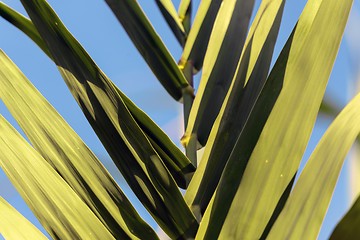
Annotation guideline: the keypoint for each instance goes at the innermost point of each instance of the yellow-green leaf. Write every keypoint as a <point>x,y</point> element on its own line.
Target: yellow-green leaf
<point>177,163</point>
<point>348,227</point>
<point>306,207</point>
<point>197,42</point>
<point>169,12</point>
<point>54,139</point>
<point>185,14</point>
<point>13,225</point>
<point>221,59</point>
<point>252,69</point>
<point>59,209</point>
<point>104,108</point>
<point>305,66</point>
<point>149,44</point>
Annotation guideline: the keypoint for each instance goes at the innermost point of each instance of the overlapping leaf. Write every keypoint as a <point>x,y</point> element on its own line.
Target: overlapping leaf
<point>252,69</point>
<point>104,108</point>
<point>13,225</point>
<point>179,166</point>
<point>225,46</point>
<point>59,209</point>
<point>169,12</point>
<point>348,227</point>
<point>66,152</point>
<point>184,12</point>
<point>306,207</point>
<point>149,44</point>
<point>304,67</point>
<point>197,42</point>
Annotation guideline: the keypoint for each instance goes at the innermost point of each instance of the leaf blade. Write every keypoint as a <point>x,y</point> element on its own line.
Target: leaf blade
<point>282,126</point>
<point>35,179</point>
<point>13,225</point>
<point>178,164</point>
<point>169,12</point>
<point>126,143</point>
<point>313,191</point>
<point>151,47</point>
<point>54,139</point>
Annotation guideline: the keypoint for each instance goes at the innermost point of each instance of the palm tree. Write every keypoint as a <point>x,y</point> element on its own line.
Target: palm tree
<point>253,120</point>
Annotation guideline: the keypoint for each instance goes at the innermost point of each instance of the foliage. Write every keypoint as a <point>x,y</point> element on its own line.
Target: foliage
<point>253,120</point>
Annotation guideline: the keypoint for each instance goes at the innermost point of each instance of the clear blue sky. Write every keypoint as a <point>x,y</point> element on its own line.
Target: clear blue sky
<point>93,24</point>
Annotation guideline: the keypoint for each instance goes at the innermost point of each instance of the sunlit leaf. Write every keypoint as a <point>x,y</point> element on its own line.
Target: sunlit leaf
<point>59,209</point>
<point>197,42</point>
<point>306,207</point>
<point>185,14</point>
<point>13,225</point>
<point>304,67</point>
<point>66,152</point>
<point>104,108</point>
<point>169,12</point>
<point>252,69</point>
<point>149,44</point>
<point>177,163</point>
<point>225,46</point>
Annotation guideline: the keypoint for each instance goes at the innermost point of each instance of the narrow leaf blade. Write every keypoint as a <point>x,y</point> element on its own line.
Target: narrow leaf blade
<point>306,207</point>
<point>59,209</point>
<point>225,46</point>
<point>197,41</point>
<point>150,46</point>
<point>104,108</point>
<point>178,164</point>
<point>252,69</point>
<point>67,153</point>
<point>308,58</point>
<point>13,225</point>
<point>169,12</point>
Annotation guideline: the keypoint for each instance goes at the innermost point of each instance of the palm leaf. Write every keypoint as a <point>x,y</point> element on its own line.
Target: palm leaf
<point>198,38</point>
<point>304,67</point>
<point>53,138</point>
<point>313,191</point>
<point>13,225</point>
<point>252,69</point>
<point>104,108</point>
<point>225,45</point>
<point>169,12</point>
<point>59,209</point>
<point>177,163</point>
<point>150,46</point>
<point>348,227</point>
<point>185,14</point>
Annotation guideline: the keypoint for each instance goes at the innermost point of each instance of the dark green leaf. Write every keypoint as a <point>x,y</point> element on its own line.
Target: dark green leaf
<point>149,44</point>
<point>104,108</point>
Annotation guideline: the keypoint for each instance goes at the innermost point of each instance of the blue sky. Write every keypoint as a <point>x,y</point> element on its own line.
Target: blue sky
<point>93,24</point>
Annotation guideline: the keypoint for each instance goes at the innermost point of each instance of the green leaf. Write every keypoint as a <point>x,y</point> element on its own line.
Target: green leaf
<point>177,163</point>
<point>225,46</point>
<point>185,14</point>
<point>348,227</point>
<point>169,12</point>
<point>198,38</point>
<point>54,139</point>
<point>253,70</point>
<point>59,209</point>
<point>104,108</point>
<point>306,207</point>
<point>23,24</point>
<point>149,44</point>
<point>304,67</point>
<point>13,225</point>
